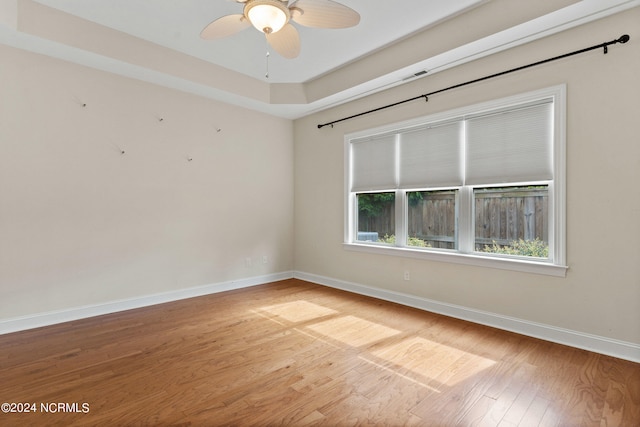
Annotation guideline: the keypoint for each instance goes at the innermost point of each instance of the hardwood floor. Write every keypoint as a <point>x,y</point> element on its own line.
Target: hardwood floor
<point>295,353</point>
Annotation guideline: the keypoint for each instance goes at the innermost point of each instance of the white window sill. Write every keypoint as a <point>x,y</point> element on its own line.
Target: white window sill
<point>526,266</point>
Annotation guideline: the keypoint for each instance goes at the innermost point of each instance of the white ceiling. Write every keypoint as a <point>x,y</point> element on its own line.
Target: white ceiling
<point>128,36</point>
<point>176,24</point>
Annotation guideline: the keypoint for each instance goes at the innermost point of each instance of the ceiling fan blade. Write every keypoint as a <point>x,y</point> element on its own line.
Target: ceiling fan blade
<point>323,14</point>
<point>286,41</point>
<point>225,26</point>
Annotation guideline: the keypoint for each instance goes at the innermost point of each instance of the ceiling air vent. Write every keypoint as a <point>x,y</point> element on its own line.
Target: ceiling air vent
<point>414,75</point>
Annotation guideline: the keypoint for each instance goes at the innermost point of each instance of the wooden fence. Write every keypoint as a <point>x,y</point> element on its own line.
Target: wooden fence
<point>505,217</point>
<point>433,219</point>
<point>500,216</point>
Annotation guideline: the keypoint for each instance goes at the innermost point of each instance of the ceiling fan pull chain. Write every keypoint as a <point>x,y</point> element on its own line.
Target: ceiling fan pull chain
<point>267,57</point>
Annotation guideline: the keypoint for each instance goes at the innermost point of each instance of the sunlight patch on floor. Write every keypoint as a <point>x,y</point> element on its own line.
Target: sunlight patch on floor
<point>353,330</point>
<point>298,311</point>
<point>405,377</point>
<point>433,360</point>
<point>427,363</point>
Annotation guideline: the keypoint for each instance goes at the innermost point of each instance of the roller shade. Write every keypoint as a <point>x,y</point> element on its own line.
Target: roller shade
<point>510,146</point>
<point>431,156</point>
<point>374,164</point>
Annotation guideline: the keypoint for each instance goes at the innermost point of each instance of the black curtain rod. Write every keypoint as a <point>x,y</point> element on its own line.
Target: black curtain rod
<point>623,39</point>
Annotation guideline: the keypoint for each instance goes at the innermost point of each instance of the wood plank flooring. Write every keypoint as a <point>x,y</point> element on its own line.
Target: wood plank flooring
<point>295,353</point>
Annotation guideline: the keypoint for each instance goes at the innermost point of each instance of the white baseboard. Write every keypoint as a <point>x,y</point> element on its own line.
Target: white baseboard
<point>53,317</point>
<point>597,344</point>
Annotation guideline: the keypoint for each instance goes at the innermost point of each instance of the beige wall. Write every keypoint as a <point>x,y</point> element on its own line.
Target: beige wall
<point>601,292</point>
<point>82,224</point>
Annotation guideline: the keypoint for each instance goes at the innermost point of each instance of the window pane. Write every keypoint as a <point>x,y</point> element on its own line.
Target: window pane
<point>432,219</point>
<point>512,221</point>
<point>376,217</point>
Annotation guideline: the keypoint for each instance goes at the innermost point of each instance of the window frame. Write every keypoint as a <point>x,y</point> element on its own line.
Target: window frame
<point>465,254</point>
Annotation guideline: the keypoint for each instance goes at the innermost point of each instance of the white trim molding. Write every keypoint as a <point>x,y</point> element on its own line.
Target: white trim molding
<point>521,265</point>
<point>60,316</point>
<point>598,344</point>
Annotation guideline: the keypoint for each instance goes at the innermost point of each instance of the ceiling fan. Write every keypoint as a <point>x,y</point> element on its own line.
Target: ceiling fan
<point>273,18</point>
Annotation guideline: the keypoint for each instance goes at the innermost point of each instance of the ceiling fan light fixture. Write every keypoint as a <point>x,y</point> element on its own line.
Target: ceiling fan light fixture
<point>268,16</point>
<point>274,19</point>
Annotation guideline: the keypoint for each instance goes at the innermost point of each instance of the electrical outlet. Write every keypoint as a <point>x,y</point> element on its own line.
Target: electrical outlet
<point>265,259</point>
<point>247,262</point>
<point>407,276</point>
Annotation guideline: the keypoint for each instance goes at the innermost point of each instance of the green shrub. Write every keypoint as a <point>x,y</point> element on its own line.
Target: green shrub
<point>532,248</point>
<point>390,239</point>
<point>413,241</point>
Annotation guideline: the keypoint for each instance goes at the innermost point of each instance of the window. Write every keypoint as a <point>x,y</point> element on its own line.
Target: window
<point>376,221</point>
<point>481,185</point>
<point>432,218</point>
<point>512,220</point>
